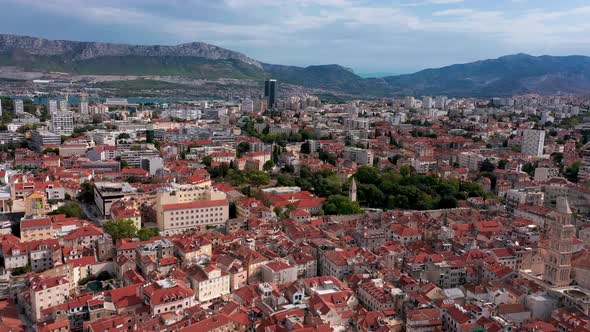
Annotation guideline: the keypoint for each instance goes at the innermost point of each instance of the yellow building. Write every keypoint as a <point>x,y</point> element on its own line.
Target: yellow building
<point>35,204</point>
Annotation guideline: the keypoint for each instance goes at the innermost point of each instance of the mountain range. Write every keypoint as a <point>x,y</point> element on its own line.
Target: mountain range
<point>504,76</point>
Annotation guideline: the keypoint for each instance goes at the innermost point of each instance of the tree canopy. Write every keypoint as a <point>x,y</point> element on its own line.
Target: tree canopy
<point>70,210</point>
<point>341,205</point>
<point>145,234</point>
<point>120,229</point>
<point>405,189</point>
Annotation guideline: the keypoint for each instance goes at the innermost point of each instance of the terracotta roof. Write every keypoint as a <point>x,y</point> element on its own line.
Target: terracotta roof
<point>195,204</point>
<point>35,223</point>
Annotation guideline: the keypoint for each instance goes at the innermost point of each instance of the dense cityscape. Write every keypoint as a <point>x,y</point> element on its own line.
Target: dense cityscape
<point>295,166</point>
<point>291,213</point>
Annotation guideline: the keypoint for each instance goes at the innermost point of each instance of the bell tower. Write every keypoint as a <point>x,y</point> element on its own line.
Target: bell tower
<point>559,252</point>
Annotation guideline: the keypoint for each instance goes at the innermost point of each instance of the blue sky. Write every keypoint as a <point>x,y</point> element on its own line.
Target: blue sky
<point>366,35</point>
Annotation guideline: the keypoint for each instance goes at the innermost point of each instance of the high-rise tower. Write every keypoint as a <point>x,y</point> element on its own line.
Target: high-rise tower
<point>270,92</point>
<point>533,142</point>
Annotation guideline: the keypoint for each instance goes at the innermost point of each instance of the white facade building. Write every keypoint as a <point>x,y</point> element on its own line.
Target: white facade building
<point>62,123</point>
<point>533,142</point>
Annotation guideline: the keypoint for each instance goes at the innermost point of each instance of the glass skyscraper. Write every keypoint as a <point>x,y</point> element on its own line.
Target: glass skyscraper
<point>270,92</point>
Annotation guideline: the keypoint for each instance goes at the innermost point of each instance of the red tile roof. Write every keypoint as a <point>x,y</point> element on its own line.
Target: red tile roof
<point>195,204</point>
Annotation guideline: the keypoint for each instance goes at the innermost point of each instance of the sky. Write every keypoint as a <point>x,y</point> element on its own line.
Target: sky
<point>366,35</point>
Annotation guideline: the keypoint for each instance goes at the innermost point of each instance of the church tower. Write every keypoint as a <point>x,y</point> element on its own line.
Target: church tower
<point>559,253</point>
<point>352,191</point>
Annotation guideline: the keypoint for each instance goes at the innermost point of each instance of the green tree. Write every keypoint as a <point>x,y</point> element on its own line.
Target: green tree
<point>447,202</point>
<point>257,178</point>
<point>86,194</point>
<point>269,165</point>
<point>206,160</point>
<point>487,166</point>
<point>70,210</point>
<point>54,151</point>
<point>557,158</point>
<point>528,168</point>
<point>328,157</point>
<point>145,234</point>
<point>340,205</point>
<point>120,229</point>
<point>305,148</point>
<point>571,173</point>
<point>367,174</point>
<point>242,148</point>
<point>371,195</point>
<point>502,164</point>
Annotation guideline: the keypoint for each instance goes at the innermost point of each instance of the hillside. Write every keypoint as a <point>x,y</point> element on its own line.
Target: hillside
<point>508,75</point>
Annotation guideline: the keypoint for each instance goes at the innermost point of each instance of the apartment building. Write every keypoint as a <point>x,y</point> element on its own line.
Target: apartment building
<point>533,142</point>
<point>279,272</point>
<point>377,295</point>
<point>134,154</point>
<point>209,282</point>
<point>46,293</point>
<point>358,155</point>
<point>62,123</point>
<point>36,229</point>
<point>167,296</point>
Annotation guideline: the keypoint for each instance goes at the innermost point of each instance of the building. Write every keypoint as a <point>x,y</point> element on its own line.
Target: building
<point>36,229</point>
<point>558,262</point>
<point>152,164</point>
<point>543,174</point>
<point>167,296</point>
<point>423,320</point>
<point>127,209</point>
<point>183,207</point>
<point>63,105</point>
<point>247,105</point>
<point>35,204</point>
<point>357,123</point>
<point>446,274</point>
<point>105,193</point>
<point>46,293</point>
<point>270,92</point>
<point>409,102</point>
<point>358,155</point>
<point>279,273</point>
<point>62,123</point>
<point>134,154</point>
<point>533,142</point>
<point>41,138</point>
<point>377,295</point>
<point>209,282</point>
<point>427,102</point>
<point>52,106</point>
<point>84,109</point>
<point>19,107</point>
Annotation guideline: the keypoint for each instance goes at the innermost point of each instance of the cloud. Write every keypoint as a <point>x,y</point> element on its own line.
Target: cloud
<point>453,12</point>
<point>377,32</point>
<point>444,2</point>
